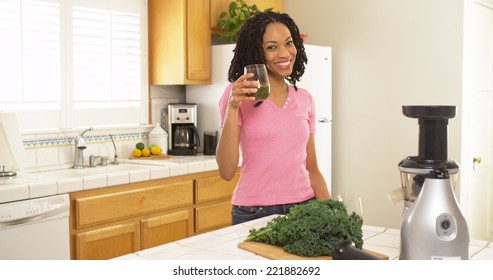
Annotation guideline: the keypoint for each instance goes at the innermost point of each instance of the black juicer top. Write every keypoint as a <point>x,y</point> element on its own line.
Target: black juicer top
<point>433,121</point>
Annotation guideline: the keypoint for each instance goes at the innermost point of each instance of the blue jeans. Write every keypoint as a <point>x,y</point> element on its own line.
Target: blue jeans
<point>241,214</point>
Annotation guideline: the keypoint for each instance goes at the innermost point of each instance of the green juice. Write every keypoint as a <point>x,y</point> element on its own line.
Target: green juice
<point>262,92</point>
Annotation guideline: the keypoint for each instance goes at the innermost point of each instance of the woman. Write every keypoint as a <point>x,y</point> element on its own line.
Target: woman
<point>275,137</point>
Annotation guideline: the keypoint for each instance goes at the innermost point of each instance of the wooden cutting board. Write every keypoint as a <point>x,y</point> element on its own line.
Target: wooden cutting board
<point>153,157</point>
<point>277,253</point>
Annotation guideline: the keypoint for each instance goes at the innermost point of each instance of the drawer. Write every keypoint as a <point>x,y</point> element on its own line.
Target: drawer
<point>212,188</point>
<point>110,207</point>
<point>212,216</point>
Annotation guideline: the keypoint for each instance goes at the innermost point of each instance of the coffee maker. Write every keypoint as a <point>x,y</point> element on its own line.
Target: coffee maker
<point>433,226</point>
<point>182,127</point>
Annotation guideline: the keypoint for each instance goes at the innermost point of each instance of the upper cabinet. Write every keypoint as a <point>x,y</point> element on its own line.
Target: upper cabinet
<point>179,42</point>
<point>219,6</point>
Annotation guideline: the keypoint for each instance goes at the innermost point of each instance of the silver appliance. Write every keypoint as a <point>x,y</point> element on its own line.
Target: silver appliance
<point>433,226</point>
<point>183,136</point>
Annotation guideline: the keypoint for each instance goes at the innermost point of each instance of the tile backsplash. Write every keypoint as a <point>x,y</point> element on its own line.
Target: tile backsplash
<point>54,150</point>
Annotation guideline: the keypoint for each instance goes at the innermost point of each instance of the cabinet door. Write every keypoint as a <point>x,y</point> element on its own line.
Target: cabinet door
<point>179,42</point>
<point>198,61</point>
<point>212,216</point>
<point>166,228</point>
<point>213,188</point>
<point>103,208</point>
<point>109,242</point>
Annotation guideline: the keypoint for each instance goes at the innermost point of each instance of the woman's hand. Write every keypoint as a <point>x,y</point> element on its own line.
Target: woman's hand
<point>242,87</point>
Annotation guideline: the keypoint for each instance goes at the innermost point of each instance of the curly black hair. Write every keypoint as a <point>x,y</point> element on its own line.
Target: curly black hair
<point>249,49</point>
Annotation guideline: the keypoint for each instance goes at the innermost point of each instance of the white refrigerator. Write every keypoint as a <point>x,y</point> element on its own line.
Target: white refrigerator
<point>317,80</point>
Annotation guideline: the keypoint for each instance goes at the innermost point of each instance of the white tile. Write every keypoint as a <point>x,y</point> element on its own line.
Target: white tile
<point>118,178</point>
<point>373,229</point>
<point>231,247</point>
<point>160,172</point>
<point>482,243</point>
<point>129,257</point>
<point>385,239</point>
<point>14,192</point>
<point>237,231</point>
<point>31,158</point>
<point>95,181</point>
<point>68,185</point>
<point>196,167</point>
<point>165,254</point>
<point>202,241</point>
<point>393,231</point>
<point>44,188</point>
<point>47,156</point>
<point>485,254</point>
<point>473,250</point>
<point>211,165</point>
<point>176,170</point>
<point>209,255</point>
<point>66,154</point>
<point>139,175</point>
<point>256,257</point>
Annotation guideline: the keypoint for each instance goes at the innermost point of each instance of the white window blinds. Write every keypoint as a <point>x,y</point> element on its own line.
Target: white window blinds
<point>30,51</point>
<point>73,62</point>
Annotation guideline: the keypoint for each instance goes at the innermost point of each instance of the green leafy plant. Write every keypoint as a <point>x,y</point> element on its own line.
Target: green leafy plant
<point>312,229</point>
<point>232,20</point>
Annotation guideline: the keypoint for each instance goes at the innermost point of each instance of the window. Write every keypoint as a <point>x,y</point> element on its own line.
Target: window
<point>74,63</point>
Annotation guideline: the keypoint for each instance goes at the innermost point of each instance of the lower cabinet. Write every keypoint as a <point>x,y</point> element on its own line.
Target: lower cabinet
<point>166,228</point>
<point>114,221</point>
<point>109,242</point>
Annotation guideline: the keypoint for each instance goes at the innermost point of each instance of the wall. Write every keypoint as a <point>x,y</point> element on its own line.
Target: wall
<point>386,54</point>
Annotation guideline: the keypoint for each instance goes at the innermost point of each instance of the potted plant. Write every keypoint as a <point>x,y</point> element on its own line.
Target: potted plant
<point>232,20</point>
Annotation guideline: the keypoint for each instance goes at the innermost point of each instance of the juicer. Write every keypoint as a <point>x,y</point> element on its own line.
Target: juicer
<point>433,226</point>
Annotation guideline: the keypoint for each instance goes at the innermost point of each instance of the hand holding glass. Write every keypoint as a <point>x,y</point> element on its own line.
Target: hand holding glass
<point>262,77</point>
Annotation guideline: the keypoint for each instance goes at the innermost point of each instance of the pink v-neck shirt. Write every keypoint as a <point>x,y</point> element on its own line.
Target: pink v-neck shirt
<point>273,144</point>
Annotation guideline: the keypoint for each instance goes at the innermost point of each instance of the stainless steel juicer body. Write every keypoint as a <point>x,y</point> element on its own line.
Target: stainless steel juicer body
<point>433,226</point>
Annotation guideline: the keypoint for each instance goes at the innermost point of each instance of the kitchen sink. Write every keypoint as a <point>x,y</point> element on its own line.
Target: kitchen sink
<point>90,171</point>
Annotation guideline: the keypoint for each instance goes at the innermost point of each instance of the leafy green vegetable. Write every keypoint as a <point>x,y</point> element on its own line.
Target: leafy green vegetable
<point>312,229</point>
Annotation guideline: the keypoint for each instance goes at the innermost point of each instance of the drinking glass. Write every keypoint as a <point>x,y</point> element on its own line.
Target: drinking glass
<point>352,202</point>
<point>260,75</point>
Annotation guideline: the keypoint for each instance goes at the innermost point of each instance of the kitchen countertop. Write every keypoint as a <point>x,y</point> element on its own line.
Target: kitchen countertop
<point>222,245</point>
<point>66,180</point>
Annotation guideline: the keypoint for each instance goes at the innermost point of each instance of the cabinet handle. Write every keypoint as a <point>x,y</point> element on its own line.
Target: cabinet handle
<point>476,160</point>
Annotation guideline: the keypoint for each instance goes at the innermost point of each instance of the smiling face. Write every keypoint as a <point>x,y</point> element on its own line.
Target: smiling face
<point>279,50</point>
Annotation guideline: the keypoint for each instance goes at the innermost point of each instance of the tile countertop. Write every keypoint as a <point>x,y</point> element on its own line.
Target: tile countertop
<point>40,184</point>
<point>222,245</point>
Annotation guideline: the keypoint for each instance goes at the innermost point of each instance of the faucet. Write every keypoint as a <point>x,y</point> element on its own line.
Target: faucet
<point>115,160</point>
<point>80,146</point>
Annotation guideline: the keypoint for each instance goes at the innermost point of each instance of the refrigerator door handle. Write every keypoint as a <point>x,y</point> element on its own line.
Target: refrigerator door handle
<point>323,120</point>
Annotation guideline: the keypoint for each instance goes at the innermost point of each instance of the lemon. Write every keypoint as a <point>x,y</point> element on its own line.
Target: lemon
<point>136,152</point>
<point>155,150</point>
<point>140,146</point>
<point>146,152</point>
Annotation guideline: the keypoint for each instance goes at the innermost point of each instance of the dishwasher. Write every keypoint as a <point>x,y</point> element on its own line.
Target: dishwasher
<point>35,229</point>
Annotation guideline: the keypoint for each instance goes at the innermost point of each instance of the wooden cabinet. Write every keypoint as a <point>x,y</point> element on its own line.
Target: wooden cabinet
<point>166,228</point>
<point>179,42</point>
<point>113,221</point>
<point>109,242</point>
<point>219,6</point>
<point>213,202</point>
